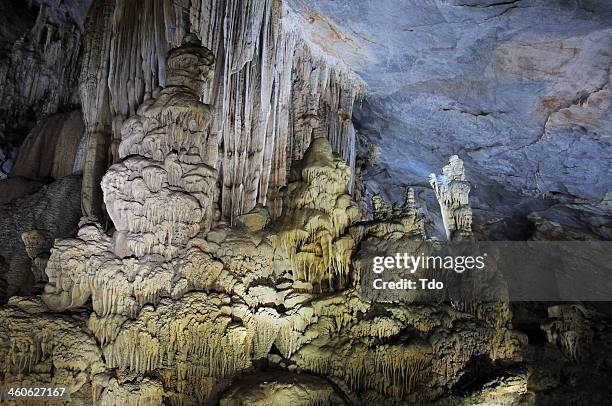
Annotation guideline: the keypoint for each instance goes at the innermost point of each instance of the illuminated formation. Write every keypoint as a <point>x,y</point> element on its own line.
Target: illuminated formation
<point>452,191</point>
<point>174,308</point>
<point>161,194</point>
<point>315,216</point>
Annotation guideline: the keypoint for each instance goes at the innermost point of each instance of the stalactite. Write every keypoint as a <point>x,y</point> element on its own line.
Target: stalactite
<point>38,69</point>
<point>94,104</point>
<point>391,370</point>
<point>46,348</point>
<point>265,118</point>
<point>257,52</point>
<point>191,336</point>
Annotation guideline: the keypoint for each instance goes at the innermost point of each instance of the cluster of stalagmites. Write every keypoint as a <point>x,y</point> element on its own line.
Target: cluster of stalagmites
<point>168,309</point>
<point>181,328</point>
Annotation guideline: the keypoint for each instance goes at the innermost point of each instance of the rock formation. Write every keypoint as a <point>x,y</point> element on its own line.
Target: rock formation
<point>54,211</point>
<point>40,348</point>
<point>316,213</point>
<point>569,328</point>
<point>161,194</point>
<point>271,92</point>
<point>382,210</point>
<point>40,46</point>
<point>221,256</point>
<point>37,248</point>
<point>282,389</point>
<point>51,149</point>
<point>452,191</point>
<point>512,106</point>
<point>181,319</point>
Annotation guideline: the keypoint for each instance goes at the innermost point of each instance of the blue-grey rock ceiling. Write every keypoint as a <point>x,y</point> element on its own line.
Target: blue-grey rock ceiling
<point>518,89</point>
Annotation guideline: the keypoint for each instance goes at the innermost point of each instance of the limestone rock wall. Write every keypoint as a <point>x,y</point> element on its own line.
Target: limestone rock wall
<point>518,89</point>
<point>40,43</point>
<point>54,210</point>
<point>50,150</point>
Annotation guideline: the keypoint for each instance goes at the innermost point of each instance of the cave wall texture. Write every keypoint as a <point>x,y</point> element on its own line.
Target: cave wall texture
<point>509,86</point>
<point>39,44</point>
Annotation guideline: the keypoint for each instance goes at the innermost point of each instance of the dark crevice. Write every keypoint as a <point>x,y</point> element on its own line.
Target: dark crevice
<point>502,3</point>
<point>478,113</point>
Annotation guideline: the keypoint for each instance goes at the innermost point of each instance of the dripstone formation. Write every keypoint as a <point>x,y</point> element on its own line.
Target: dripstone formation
<point>233,268</point>
<point>168,309</point>
<point>452,191</point>
<point>161,194</point>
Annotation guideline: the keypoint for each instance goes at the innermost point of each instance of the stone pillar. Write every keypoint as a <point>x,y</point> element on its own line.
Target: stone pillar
<point>161,194</point>
<point>452,191</point>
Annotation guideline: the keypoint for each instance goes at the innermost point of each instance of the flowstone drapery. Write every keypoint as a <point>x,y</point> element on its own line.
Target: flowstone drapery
<point>186,320</point>
<point>272,91</point>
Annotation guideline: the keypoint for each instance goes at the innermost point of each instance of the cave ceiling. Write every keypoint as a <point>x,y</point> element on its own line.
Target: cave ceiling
<point>520,90</point>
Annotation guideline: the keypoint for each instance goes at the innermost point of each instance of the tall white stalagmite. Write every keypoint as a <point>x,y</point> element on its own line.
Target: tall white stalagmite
<point>452,191</point>
<point>162,194</point>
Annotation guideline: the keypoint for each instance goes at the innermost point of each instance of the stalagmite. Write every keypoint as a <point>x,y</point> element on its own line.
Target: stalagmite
<point>272,92</point>
<point>380,208</point>
<point>570,329</point>
<point>262,280</point>
<point>452,191</point>
<point>316,213</point>
<point>158,198</point>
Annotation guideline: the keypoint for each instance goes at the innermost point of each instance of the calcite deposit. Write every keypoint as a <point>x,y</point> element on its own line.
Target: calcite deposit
<point>180,319</point>
<point>272,92</point>
<point>452,191</point>
<point>192,194</point>
<point>161,194</point>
